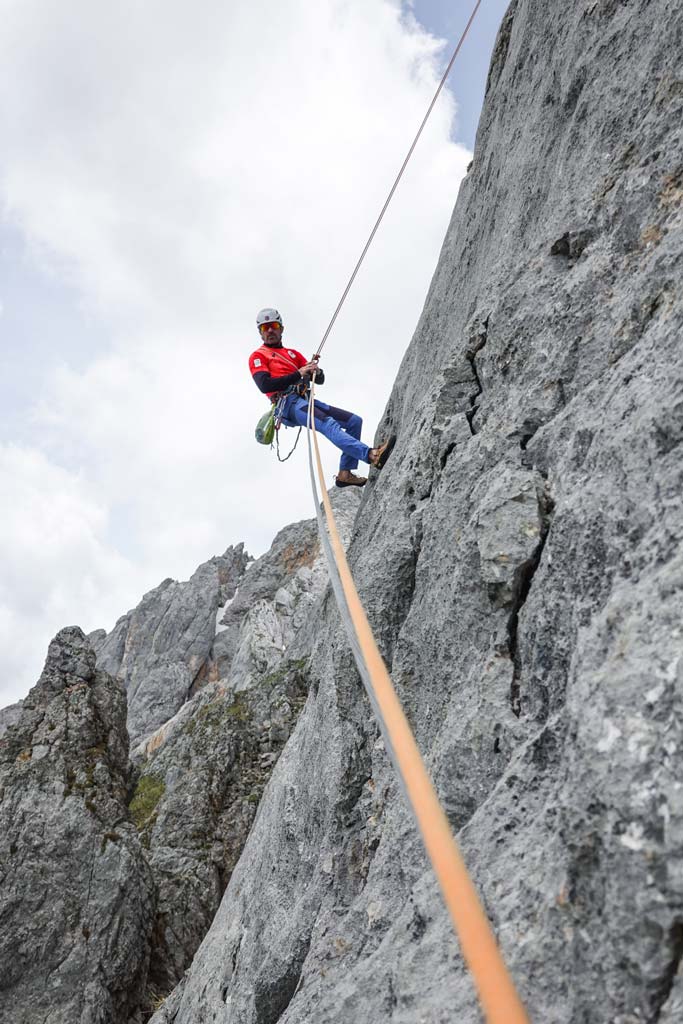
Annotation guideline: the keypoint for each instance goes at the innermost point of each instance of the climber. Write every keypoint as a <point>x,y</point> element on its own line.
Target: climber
<point>283,373</point>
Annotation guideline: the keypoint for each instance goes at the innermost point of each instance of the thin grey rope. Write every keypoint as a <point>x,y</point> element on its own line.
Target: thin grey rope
<point>399,176</point>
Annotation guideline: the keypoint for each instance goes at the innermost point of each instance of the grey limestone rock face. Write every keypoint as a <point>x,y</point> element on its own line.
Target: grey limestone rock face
<point>209,777</point>
<point>202,773</point>
<point>158,650</point>
<point>268,593</point>
<point>520,560</point>
<point>9,716</point>
<point>77,897</point>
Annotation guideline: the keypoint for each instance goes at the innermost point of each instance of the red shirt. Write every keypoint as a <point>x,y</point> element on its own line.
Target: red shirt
<point>276,362</point>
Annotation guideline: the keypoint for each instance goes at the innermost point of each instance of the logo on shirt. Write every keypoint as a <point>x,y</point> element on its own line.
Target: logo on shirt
<point>291,354</point>
<point>257,362</point>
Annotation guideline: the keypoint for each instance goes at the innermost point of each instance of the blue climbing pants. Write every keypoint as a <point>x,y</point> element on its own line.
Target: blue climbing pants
<point>340,427</point>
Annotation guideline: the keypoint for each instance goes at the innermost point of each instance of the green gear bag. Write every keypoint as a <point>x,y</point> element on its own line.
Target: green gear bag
<point>265,428</point>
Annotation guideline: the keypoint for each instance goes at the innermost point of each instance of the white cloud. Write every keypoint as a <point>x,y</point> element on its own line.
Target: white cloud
<point>186,164</point>
<point>58,566</point>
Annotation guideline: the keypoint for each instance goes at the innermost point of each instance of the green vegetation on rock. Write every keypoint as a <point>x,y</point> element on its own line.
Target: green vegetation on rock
<point>148,793</point>
<point>293,666</point>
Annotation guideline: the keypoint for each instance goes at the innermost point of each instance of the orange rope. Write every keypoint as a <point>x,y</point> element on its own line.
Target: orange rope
<point>497,993</point>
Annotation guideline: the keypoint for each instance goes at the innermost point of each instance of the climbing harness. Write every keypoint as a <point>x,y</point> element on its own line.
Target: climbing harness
<point>279,406</point>
<point>268,427</point>
<point>497,994</point>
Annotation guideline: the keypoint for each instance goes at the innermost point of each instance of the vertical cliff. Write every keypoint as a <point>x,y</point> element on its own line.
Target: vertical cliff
<point>77,900</point>
<point>520,560</point>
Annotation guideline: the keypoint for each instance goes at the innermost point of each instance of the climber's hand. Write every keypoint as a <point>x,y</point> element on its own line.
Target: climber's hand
<point>308,369</point>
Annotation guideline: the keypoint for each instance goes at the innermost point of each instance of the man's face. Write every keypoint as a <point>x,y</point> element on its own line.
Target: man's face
<point>271,333</point>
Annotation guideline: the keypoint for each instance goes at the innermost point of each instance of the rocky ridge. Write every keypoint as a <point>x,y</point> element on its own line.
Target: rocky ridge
<point>158,650</point>
<point>521,565</point>
<point>201,775</point>
<point>238,636</point>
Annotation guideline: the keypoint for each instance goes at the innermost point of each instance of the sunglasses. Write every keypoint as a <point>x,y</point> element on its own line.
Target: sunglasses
<point>266,327</point>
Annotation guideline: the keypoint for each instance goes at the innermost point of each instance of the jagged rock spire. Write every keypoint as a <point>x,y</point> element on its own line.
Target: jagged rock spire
<point>77,900</point>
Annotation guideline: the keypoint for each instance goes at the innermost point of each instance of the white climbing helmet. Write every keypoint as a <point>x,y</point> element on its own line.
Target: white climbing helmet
<point>268,316</point>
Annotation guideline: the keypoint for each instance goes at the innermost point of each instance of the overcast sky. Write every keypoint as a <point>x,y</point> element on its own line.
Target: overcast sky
<point>166,169</point>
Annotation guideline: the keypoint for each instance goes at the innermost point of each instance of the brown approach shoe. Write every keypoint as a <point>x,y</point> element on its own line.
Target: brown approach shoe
<point>345,478</point>
<point>378,456</point>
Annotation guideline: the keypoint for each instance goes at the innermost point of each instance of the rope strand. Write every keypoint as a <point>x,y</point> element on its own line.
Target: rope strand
<point>498,996</point>
<point>398,177</point>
